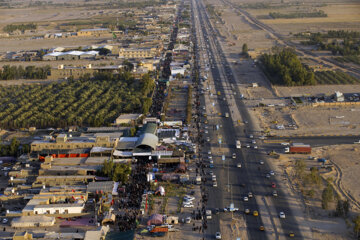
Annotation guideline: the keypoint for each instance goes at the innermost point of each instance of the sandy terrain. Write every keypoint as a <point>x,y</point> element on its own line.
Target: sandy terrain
<point>7,44</point>
<point>314,90</point>
<point>340,16</point>
<point>346,158</point>
<point>311,120</point>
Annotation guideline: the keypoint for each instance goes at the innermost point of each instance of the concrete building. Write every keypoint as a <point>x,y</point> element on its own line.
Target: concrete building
<point>134,53</point>
<point>32,221</point>
<point>62,142</point>
<point>94,32</point>
<point>66,208</point>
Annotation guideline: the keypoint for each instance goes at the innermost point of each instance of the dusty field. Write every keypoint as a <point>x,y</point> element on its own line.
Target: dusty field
<point>314,90</point>
<point>49,14</point>
<point>340,16</point>
<point>346,158</point>
<point>310,120</point>
<point>238,34</point>
<point>7,44</point>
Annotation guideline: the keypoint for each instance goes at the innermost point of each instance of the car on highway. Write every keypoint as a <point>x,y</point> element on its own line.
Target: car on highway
<point>238,165</point>
<point>262,137</point>
<point>273,185</point>
<point>261,162</point>
<point>247,211</point>
<point>358,141</point>
<point>209,152</point>
<point>255,146</point>
<point>210,156</point>
<point>234,155</point>
<point>211,161</point>
<point>250,195</point>
<point>211,173</point>
<point>282,215</point>
<point>255,213</point>
<point>218,235</point>
<point>253,142</point>
<point>246,199</point>
<point>208,139</point>
<point>291,234</point>
<point>272,173</point>
<point>285,144</point>
<point>5,220</point>
<point>247,145</point>
<point>211,165</point>
<point>274,193</point>
<point>267,175</point>
<point>262,228</point>
<point>215,184</point>
<point>251,136</point>
<point>188,220</point>
<point>206,131</point>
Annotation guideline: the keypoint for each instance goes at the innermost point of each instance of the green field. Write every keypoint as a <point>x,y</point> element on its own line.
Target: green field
<point>83,102</point>
<point>337,77</point>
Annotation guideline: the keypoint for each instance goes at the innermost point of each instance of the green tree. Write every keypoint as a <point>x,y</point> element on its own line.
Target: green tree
<point>300,168</point>
<point>245,49</point>
<point>327,196</point>
<point>357,226</point>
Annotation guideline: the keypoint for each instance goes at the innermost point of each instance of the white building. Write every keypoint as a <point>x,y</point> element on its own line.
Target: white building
<point>66,208</point>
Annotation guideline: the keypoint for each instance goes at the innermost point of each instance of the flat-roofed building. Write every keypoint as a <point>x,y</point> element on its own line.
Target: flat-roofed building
<point>96,32</point>
<point>133,53</point>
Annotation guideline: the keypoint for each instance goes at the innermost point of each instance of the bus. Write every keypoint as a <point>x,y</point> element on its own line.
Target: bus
<point>238,144</point>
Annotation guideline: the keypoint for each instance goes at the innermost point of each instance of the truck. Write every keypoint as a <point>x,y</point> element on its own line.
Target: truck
<point>238,144</point>
<point>298,148</point>
<point>208,214</point>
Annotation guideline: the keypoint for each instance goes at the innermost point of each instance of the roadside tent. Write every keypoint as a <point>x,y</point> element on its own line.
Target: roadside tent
<point>155,219</point>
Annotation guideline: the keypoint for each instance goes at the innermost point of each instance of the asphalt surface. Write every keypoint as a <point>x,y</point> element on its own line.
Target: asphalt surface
<point>251,177</point>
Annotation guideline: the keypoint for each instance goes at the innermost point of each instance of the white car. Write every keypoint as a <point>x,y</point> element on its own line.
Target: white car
<point>190,198</point>
<point>210,157</point>
<point>238,165</point>
<point>251,136</point>
<point>188,220</point>
<point>218,235</point>
<point>255,146</point>
<point>209,152</point>
<point>188,205</point>
<point>282,215</point>
<point>215,184</point>
<point>272,173</point>
<point>5,220</point>
<point>285,144</point>
<point>250,194</point>
<point>246,199</point>
<point>358,141</point>
<point>261,162</point>
<point>234,155</point>
<point>247,145</point>
<point>253,142</point>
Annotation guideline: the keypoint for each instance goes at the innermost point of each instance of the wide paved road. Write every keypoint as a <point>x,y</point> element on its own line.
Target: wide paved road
<point>252,174</point>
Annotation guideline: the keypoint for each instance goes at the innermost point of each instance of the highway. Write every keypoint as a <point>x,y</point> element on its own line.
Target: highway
<point>249,178</point>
